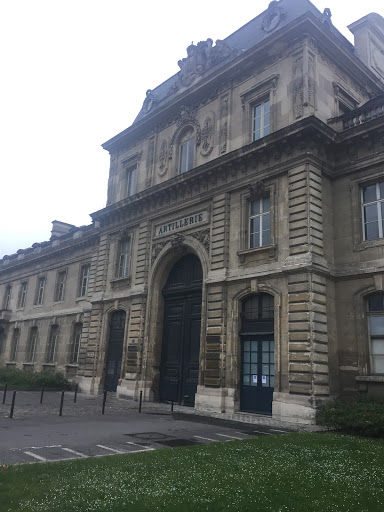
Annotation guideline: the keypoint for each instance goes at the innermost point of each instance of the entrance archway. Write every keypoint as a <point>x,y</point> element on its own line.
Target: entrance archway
<point>115,350</point>
<point>257,354</point>
<point>179,367</point>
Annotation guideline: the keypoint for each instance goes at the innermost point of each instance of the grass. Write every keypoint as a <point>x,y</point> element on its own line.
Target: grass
<point>295,472</point>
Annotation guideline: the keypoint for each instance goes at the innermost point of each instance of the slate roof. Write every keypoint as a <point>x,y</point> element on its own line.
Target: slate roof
<point>245,38</point>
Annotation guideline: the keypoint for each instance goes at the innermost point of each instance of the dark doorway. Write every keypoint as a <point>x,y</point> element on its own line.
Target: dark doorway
<point>257,354</point>
<point>179,369</point>
<point>115,350</point>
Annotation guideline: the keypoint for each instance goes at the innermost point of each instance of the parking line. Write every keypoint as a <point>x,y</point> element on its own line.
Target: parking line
<point>110,449</point>
<point>144,448</point>
<point>38,457</point>
<point>276,430</point>
<point>261,432</point>
<point>75,453</point>
<point>207,439</point>
<point>231,437</point>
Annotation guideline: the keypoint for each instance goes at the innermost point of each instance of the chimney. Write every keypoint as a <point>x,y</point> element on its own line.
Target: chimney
<point>60,228</point>
<point>369,42</point>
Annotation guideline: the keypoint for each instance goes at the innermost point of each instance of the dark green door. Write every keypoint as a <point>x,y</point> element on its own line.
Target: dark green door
<point>181,332</point>
<point>115,350</point>
<point>257,355</point>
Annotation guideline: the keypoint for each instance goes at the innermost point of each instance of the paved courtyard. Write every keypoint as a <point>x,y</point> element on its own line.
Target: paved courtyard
<point>37,433</point>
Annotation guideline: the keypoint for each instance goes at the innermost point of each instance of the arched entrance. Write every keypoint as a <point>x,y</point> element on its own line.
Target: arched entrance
<point>179,368</point>
<point>257,354</point>
<point>115,350</point>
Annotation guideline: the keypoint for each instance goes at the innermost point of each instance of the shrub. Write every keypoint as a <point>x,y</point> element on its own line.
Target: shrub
<point>19,379</point>
<point>363,417</point>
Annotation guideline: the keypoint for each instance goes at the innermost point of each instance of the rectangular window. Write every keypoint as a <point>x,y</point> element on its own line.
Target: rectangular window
<point>372,198</point>
<point>84,280</point>
<point>51,349</point>
<point>7,297</point>
<point>131,180</point>
<point>14,344</point>
<point>40,290</point>
<point>60,286</point>
<point>76,343</point>
<point>186,157</point>
<point>259,222</point>
<point>32,342</point>
<point>124,253</point>
<point>261,120</point>
<point>22,294</point>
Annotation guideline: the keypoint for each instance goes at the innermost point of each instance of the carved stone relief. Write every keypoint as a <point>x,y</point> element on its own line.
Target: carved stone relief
<point>150,162</point>
<point>257,190</point>
<point>156,249</point>
<point>186,117</point>
<point>203,237</point>
<point>163,158</point>
<point>223,134</point>
<point>298,87</point>
<point>207,136</point>
<point>273,17</point>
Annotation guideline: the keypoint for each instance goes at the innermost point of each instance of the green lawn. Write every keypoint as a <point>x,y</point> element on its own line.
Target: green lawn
<point>293,472</point>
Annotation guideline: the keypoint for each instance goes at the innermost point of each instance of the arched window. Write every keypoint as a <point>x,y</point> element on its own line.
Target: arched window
<point>187,151</point>
<point>52,343</point>
<point>77,332</point>
<point>376,331</point>
<point>32,342</point>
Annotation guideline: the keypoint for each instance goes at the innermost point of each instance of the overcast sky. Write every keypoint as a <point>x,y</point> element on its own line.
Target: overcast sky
<point>74,74</point>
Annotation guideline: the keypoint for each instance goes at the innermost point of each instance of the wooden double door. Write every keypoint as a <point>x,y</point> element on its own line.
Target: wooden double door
<point>115,350</point>
<point>179,368</point>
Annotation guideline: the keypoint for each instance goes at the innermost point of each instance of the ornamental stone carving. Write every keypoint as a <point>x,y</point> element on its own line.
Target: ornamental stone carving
<point>203,237</point>
<point>257,190</point>
<point>298,89</point>
<point>185,118</point>
<point>273,17</point>
<point>207,136</point>
<point>177,240</point>
<point>163,158</point>
<point>156,249</point>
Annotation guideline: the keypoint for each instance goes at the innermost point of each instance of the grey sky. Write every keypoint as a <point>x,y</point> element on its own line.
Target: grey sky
<point>74,74</point>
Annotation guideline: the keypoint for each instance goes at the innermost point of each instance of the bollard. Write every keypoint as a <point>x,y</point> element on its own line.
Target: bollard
<point>75,397</point>
<point>5,392</point>
<point>42,394</point>
<point>13,404</point>
<point>140,400</point>
<point>61,404</point>
<point>104,400</point>
<point>172,406</point>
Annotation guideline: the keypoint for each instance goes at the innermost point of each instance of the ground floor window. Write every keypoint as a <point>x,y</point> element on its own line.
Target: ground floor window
<point>376,331</point>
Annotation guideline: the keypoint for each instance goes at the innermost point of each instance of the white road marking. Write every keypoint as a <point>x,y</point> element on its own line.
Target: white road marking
<point>143,448</point>
<point>35,447</point>
<point>110,449</point>
<point>276,430</point>
<point>38,457</point>
<point>231,437</point>
<point>206,439</point>
<point>75,453</point>
<point>261,432</point>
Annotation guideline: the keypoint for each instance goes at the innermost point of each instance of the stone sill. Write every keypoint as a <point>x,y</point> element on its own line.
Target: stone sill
<point>271,249</point>
<point>370,378</point>
<point>72,365</point>
<point>49,364</point>
<point>121,281</point>
<point>28,364</point>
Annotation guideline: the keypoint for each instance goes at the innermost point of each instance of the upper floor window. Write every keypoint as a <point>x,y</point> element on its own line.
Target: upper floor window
<point>131,175</point>
<point>2,338</point>
<point>32,342</point>
<point>14,344</point>
<point>84,280</point>
<point>373,210</point>
<point>186,157</point>
<point>52,342</point>
<point>123,259</point>
<point>259,229</point>
<point>261,120</point>
<point>7,297</point>
<point>376,331</point>
<point>76,342</point>
<point>22,294</point>
<point>60,286</point>
<point>40,290</point>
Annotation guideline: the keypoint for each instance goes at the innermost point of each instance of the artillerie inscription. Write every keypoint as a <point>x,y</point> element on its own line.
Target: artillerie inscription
<point>181,223</point>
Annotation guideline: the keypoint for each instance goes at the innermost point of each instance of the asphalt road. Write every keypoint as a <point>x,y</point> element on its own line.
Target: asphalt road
<point>39,434</point>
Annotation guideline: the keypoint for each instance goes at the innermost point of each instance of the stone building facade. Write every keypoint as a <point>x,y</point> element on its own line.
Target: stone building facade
<point>239,262</point>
